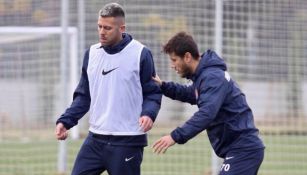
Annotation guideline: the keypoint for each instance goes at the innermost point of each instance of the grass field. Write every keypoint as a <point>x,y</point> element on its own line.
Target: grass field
<point>284,155</point>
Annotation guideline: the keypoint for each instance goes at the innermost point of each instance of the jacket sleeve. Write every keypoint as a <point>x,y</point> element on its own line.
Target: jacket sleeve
<point>179,92</point>
<point>81,99</point>
<point>213,91</point>
<point>151,92</point>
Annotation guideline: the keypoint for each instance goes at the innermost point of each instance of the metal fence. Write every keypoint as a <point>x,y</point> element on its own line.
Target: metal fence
<point>41,48</point>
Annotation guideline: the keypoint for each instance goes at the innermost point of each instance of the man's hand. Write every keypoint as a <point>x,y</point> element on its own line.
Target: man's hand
<point>161,145</point>
<point>145,123</point>
<point>60,132</point>
<point>157,80</point>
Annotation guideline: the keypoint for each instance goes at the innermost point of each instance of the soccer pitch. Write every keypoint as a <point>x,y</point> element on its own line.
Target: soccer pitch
<point>284,155</point>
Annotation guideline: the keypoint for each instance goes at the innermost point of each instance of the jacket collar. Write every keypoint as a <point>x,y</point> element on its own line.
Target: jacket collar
<point>208,59</point>
<point>120,46</point>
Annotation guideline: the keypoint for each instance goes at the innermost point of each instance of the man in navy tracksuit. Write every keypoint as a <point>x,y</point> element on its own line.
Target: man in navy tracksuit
<point>223,110</point>
<point>117,89</point>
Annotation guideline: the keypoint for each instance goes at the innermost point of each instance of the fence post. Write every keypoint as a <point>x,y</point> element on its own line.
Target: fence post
<point>215,161</point>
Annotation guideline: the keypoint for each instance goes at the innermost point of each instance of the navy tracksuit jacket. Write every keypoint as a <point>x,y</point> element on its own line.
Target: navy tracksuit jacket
<point>223,110</point>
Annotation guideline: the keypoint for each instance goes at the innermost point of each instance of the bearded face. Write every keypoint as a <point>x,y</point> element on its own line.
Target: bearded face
<point>180,66</point>
<point>185,71</point>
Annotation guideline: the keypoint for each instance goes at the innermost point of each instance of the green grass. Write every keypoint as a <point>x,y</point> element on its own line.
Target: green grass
<point>284,155</point>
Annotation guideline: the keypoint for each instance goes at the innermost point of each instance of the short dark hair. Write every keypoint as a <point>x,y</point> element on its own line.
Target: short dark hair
<point>180,44</point>
<point>112,10</point>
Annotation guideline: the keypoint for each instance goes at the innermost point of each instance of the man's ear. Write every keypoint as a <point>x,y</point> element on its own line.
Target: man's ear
<point>187,57</point>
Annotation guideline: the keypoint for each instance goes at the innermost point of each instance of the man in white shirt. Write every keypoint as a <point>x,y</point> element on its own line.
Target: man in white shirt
<point>117,89</point>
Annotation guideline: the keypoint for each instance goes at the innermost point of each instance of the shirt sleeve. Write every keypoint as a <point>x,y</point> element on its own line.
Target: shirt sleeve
<point>179,92</point>
<point>151,91</point>
<point>81,99</point>
<point>213,91</point>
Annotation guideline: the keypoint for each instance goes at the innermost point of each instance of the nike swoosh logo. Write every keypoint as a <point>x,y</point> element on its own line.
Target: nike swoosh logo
<point>106,72</point>
<point>227,158</point>
<point>128,159</point>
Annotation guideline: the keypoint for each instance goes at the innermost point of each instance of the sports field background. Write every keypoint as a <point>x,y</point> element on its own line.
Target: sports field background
<point>39,157</point>
<point>42,43</point>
